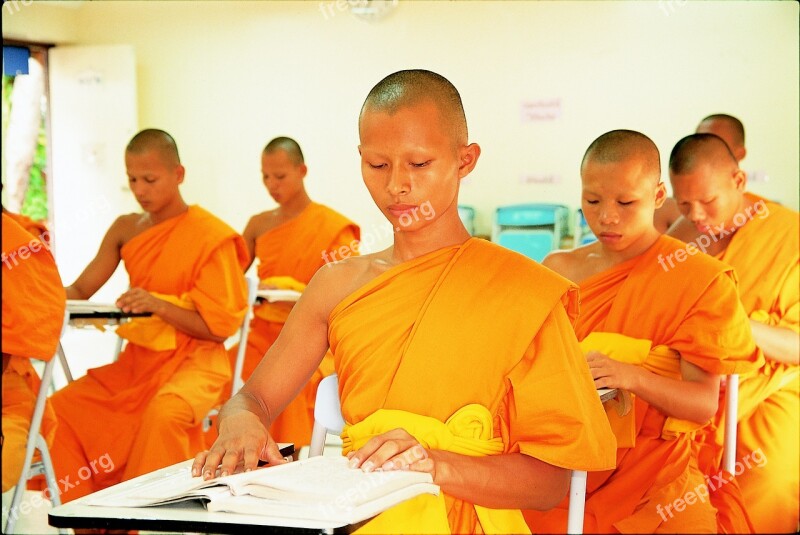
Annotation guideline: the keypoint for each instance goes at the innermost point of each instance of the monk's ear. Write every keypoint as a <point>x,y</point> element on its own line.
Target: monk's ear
<point>302,170</point>
<point>739,153</point>
<point>740,180</point>
<point>661,194</point>
<point>180,173</point>
<point>468,159</point>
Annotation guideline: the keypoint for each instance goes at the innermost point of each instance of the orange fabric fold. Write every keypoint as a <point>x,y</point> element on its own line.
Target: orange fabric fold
<point>151,403</point>
<point>397,337</point>
<point>34,301</point>
<point>37,228</point>
<point>706,325</point>
<point>765,253</point>
<point>297,249</point>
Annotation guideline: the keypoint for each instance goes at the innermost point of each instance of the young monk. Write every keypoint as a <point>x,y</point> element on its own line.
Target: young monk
<point>33,316</point>
<point>436,331</point>
<point>729,129</point>
<point>185,267</point>
<point>662,335</point>
<point>291,243</point>
<point>759,239</point>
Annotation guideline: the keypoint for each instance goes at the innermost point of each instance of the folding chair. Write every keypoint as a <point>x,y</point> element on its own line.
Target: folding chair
<point>37,442</point>
<point>531,229</point>
<point>328,419</point>
<point>244,331</point>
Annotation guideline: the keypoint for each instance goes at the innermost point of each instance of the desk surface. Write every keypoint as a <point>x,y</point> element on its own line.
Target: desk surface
<point>80,309</point>
<point>184,517</point>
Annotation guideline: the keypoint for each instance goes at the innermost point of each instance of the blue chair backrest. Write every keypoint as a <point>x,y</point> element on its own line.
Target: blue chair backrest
<point>535,244</point>
<point>532,215</point>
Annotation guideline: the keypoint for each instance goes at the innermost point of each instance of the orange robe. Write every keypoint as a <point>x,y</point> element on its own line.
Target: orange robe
<point>297,248</point>
<point>692,309</point>
<point>473,324</point>
<point>766,256</point>
<point>145,411</point>
<point>33,315</point>
<point>37,228</point>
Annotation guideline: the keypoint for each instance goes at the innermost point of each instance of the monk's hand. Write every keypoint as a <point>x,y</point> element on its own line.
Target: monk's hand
<point>242,442</point>
<point>609,373</point>
<point>393,450</point>
<point>139,300</point>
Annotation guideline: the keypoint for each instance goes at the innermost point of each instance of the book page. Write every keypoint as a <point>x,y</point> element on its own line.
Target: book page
<point>322,479</point>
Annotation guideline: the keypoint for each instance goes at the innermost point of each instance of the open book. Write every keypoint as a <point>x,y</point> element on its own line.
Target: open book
<point>319,488</point>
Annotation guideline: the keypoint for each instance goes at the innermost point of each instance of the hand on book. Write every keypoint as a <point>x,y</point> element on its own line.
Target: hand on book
<point>393,450</point>
<point>242,442</point>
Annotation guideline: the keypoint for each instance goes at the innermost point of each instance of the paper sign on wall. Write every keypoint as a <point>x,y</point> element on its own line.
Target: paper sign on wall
<point>540,110</point>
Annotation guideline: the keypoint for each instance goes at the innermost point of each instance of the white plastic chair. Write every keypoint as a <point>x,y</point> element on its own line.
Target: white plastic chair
<point>328,419</point>
<point>327,414</point>
<point>244,332</point>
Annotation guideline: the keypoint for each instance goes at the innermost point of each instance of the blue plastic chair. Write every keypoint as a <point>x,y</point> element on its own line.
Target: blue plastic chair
<point>531,229</point>
<point>583,234</point>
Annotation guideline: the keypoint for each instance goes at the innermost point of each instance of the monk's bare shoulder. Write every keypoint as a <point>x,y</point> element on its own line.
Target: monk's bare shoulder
<point>128,226</point>
<point>683,230</point>
<point>261,223</point>
<point>574,264</point>
<point>336,280</point>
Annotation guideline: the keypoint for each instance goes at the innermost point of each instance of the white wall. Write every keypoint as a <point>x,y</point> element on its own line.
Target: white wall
<point>225,77</point>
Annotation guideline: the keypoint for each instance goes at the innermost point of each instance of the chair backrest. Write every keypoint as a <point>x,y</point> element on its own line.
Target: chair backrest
<point>535,244</point>
<point>517,226</point>
<point>244,332</point>
<point>583,234</point>
<point>327,414</point>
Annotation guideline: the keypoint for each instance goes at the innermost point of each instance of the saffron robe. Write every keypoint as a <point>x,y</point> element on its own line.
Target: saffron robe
<point>466,325</point>
<point>34,301</point>
<point>765,253</point>
<point>37,228</point>
<point>693,310</point>
<point>151,403</point>
<point>295,250</point>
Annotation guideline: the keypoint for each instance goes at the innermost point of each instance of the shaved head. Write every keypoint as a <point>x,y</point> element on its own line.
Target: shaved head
<point>410,87</point>
<point>287,145</point>
<point>624,145</point>
<point>700,149</point>
<point>153,139</point>
<point>731,126</point>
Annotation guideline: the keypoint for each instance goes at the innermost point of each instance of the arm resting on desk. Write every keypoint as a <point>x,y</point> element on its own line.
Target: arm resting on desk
<point>138,300</point>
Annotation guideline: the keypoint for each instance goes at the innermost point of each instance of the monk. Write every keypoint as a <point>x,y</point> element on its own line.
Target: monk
<point>759,239</point>
<point>33,316</point>
<point>145,411</point>
<point>664,336</point>
<point>441,335</point>
<point>729,129</point>
<point>291,243</point>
